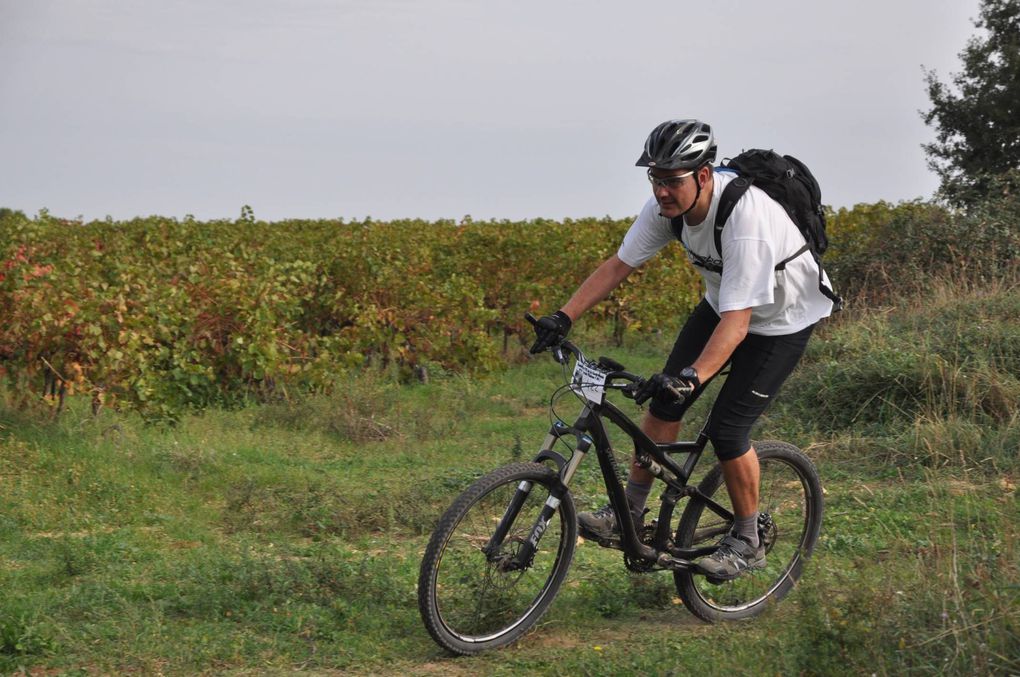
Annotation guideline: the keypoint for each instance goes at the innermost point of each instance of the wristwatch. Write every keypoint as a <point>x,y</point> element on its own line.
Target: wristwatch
<point>690,374</point>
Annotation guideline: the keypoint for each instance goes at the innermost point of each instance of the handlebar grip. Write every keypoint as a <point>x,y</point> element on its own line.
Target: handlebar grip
<point>559,349</point>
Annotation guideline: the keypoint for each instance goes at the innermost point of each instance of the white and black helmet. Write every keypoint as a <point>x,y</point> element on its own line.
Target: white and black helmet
<point>679,144</point>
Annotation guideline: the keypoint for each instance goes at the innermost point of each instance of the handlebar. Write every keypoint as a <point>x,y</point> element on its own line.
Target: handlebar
<point>614,369</point>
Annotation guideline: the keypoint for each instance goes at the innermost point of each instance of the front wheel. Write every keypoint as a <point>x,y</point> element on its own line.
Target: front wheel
<point>474,591</point>
<point>790,507</point>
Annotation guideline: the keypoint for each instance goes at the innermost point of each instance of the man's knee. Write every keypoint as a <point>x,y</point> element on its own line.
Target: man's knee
<point>729,444</point>
<point>658,429</point>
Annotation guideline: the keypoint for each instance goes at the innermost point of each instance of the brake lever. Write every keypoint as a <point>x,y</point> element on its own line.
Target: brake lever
<point>679,393</point>
<point>675,392</point>
<point>630,390</point>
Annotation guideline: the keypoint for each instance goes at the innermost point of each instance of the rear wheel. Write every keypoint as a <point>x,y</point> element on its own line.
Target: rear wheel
<point>473,598</point>
<point>790,505</point>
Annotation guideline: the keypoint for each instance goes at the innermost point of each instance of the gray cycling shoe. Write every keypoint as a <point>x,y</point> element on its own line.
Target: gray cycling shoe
<point>733,557</point>
<point>600,524</point>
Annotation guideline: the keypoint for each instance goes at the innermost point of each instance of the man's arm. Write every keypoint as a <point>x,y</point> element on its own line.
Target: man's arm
<point>598,286</point>
<point>728,334</point>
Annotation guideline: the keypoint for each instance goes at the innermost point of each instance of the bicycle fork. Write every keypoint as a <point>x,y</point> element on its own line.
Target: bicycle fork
<point>522,560</point>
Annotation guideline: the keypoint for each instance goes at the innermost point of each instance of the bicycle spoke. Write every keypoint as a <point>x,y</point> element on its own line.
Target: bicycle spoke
<point>790,510</point>
<point>470,597</point>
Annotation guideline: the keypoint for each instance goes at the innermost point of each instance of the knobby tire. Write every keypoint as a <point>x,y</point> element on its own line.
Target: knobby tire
<point>468,602</point>
<point>791,493</point>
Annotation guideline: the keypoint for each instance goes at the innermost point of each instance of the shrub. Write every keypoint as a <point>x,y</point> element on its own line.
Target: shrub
<point>880,251</point>
<point>943,363</point>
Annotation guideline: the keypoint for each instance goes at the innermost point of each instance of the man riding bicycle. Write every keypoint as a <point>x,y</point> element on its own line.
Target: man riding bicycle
<point>755,317</point>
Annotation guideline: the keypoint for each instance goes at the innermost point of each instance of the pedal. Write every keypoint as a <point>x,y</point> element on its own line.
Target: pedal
<point>614,543</point>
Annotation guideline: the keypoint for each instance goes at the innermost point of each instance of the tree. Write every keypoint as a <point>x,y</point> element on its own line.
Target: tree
<point>977,116</point>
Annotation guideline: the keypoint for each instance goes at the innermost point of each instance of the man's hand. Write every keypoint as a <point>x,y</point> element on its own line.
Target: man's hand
<point>667,389</point>
<point>550,330</point>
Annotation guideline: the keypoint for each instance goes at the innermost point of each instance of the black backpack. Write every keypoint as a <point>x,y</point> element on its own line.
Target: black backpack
<point>789,182</point>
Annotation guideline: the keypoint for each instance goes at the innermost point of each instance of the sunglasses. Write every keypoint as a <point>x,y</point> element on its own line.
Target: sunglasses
<point>667,182</point>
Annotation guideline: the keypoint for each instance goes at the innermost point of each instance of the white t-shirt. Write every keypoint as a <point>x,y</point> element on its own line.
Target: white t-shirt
<point>758,235</point>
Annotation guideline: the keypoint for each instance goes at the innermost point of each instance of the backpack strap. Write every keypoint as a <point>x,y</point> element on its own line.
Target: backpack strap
<point>731,195</point>
<point>782,264</point>
<point>837,300</point>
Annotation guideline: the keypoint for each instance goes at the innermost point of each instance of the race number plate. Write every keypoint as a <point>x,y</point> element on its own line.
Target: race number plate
<point>590,381</point>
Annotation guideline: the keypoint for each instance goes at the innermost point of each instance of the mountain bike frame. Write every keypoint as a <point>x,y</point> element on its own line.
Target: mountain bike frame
<point>588,431</point>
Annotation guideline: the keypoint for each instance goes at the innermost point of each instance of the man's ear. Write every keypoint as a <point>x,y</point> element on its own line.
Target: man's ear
<point>703,175</point>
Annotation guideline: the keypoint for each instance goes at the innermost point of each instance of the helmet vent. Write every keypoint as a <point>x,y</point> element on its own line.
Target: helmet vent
<point>679,144</point>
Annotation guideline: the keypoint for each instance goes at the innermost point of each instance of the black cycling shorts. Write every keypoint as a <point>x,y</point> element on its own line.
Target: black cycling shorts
<point>758,367</point>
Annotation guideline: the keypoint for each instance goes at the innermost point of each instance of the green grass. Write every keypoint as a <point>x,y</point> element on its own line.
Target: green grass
<point>287,536</point>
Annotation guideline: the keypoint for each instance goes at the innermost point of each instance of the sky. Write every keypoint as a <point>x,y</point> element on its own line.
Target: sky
<point>441,109</point>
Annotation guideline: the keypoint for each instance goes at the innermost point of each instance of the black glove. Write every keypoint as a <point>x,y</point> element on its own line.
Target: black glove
<point>550,330</point>
<point>666,389</point>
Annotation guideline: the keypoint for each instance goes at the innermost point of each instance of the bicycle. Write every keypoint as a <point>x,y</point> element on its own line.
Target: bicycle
<point>484,580</point>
